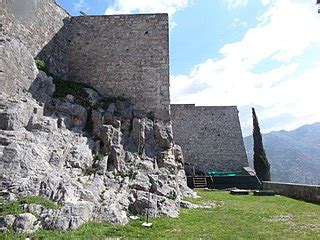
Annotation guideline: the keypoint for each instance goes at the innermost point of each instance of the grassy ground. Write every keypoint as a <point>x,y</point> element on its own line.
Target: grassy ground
<point>14,207</point>
<point>232,217</point>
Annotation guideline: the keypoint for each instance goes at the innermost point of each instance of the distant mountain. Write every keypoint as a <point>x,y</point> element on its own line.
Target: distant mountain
<point>294,156</point>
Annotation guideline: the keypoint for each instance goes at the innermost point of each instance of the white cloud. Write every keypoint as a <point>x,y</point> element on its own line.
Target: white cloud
<point>236,3</point>
<point>283,33</point>
<point>237,22</point>
<point>150,6</point>
<point>81,5</point>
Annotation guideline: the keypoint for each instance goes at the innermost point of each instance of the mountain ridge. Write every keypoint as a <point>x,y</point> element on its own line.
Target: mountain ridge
<point>294,156</point>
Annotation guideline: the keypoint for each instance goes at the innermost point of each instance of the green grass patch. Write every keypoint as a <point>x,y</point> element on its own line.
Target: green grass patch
<point>45,202</point>
<point>233,217</point>
<point>14,207</point>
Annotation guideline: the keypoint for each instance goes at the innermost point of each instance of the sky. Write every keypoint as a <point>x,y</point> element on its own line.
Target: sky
<point>250,53</point>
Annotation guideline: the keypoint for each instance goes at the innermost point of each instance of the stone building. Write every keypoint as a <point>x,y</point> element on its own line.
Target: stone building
<point>210,136</point>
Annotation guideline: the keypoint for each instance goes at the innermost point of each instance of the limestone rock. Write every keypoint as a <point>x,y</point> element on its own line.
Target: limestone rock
<point>72,215</point>
<point>42,88</point>
<point>18,112</point>
<point>52,157</point>
<point>18,66</point>
<point>164,185</point>
<point>141,182</point>
<point>25,223</point>
<point>93,96</point>
<point>178,156</point>
<point>163,134</point>
<point>77,112</point>
<point>6,221</point>
<point>156,206</point>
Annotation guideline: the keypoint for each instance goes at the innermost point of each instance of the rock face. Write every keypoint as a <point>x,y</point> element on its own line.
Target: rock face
<point>96,158</point>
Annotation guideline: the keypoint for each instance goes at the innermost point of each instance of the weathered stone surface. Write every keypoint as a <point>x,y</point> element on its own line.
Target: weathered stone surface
<point>141,182</point>
<point>188,205</point>
<point>55,162</point>
<point>93,96</point>
<point>17,112</point>
<point>115,205</point>
<point>213,128</point>
<point>42,88</point>
<point>6,222</point>
<point>19,69</point>
<point>163,135</point>
<point>25,223</point>
<point>77,112</point>
<point>72,215</point>
<point>114,69</point>
<point>164,185</point>
<point>156,206</point>
<point>38,25</point>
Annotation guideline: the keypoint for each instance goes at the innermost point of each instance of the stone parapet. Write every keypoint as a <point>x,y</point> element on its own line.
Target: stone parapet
<point>299,191</point>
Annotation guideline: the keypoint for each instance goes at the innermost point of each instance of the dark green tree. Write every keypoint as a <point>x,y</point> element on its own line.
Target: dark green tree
<point>260,161</point>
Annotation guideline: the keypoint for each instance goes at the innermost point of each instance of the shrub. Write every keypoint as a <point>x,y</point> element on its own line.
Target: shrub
<point>41,65</point>
<point>64,88</point>
<point>99,156</point>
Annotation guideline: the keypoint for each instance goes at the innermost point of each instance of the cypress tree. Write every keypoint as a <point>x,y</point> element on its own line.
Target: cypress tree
<point>260,161</point>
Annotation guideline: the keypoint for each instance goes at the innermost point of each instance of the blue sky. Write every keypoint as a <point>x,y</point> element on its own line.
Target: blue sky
<point>260,53</point>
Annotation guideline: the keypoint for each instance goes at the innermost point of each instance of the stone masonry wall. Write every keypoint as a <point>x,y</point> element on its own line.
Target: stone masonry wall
<point>28,28</point>
<point>123,55</point>
<point>33,22</point>
<point>210,137</point>
<point>300,191</point>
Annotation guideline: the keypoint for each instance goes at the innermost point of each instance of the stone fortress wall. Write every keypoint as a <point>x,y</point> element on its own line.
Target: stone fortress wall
<point>123,55</point>
<point>210,136</point>
<point>118,55</point>
<point>29,27</point>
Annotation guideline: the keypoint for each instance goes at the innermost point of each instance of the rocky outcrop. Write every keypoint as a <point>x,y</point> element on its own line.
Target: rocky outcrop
<point>94,156</point>
<point>18,69</point>
<point>97,157</point>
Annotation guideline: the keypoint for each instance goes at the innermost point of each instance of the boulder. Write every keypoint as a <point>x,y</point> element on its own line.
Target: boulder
<point>164,185</point>
<point>154,204</point>
<point>42,88</point>
<point>141,182</point>
<point>163,134</point>
<point>25,223</point>
<point>77,112</point>
<point>18,112</point>
<point>19,69</point>
<point>72,215</point>
<point>93,96</point>
<point>6,221</point>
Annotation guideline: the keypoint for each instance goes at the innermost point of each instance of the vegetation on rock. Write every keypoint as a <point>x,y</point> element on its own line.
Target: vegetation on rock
<point>41,65</point>
<point>63,88</point>
<point>15,207</point>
